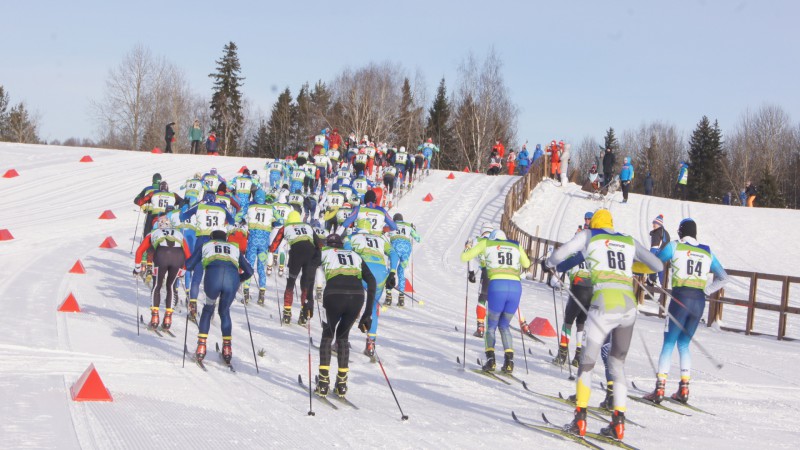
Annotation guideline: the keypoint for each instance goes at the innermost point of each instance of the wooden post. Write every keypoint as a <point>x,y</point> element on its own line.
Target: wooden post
<point>784,305</point>
<point>751,306</point>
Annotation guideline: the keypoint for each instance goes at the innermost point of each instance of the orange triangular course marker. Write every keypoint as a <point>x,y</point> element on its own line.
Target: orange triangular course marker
<point>70,304</point>
<point>428,198</point>
<point>242,169</point>
<point>466,169</point>
<point>451,176</point>
<point>107,214</point>
<point>109,242</point>
<point>156,150</point>
<point>541,327</point>
<point>77,267</point>
<point>11,173</point>
<point>408,287</point>
<point>87,158</point>
<point>5,235</point>
<point>90,388</point>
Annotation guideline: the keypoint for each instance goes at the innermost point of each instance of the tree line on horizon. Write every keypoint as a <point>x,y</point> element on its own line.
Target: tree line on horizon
<point>380,99</point>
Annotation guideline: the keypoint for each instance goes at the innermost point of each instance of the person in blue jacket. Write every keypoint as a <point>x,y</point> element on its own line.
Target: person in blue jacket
<point>523,160</point>
<point>222,261</point>
<point>626,177</point>
<point>537,153</point>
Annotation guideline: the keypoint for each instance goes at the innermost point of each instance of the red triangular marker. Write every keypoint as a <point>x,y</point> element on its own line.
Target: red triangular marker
<point>5,235</point>
<point>107,214</point>
<point>428,198</point>
<point>156,150</point>
<point>90,388</point>
<point>466,169</point>
<point>541,327</point>
<point>408,287</point>
<point>77,267</point>
<point>87,158</point>
<point>11,173</point>
<point>451,176</point>
<point>109,242</point>
<point>70,304</point>
<point>242,169</point>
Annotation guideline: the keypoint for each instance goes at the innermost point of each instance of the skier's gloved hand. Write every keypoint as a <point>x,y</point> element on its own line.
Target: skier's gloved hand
<point>391,281</point>
<point>365,323</point>
<point>243,277</point>
<point>137,270</point>
<point>554,282</point>
<point>471,276</point>
<point>181,272</point>
<point>545,267</point>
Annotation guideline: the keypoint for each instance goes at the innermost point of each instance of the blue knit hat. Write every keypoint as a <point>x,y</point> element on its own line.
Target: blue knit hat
<point>659,220</point>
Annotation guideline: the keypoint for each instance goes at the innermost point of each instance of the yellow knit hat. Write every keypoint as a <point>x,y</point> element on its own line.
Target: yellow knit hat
<point>602,219</point>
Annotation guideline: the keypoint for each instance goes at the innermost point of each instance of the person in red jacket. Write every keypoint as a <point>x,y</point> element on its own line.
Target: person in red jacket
<point>555,160</point>
<point>334,139</point>
<point>500,148</point>
<point>511,162</point>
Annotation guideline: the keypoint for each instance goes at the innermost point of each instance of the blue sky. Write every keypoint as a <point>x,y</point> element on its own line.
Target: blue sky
<point>573,67</point>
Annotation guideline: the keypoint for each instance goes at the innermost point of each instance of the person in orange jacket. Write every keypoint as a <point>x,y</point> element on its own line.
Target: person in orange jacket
<point>499,147</point>
<point>555,159</point>
<point>511,162</point>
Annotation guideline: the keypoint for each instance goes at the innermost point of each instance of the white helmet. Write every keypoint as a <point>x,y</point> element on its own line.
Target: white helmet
<point>164,223</point>
<point>402,150</point>
<point>486,228</point>
<point>498,235</point>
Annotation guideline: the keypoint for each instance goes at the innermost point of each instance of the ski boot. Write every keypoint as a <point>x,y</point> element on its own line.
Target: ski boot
<point>227,351</point>
<point>153,318</point>
<point>561,357</point>
<point>658,394</point>
<point>167,323</point>
<point>480,330</point>
<point>269,270</point>
<point>490,363</point>
<point>608,403</point>
<point>341,383</point>
<point>246,295</point>
<point>193,310</point>
<point>175,297</point>
<point>401,299</point>
<point>280,270</point>
<point>369,350</point>
<point>508,364</point>
<point>323,383</point>
<point>578,424</point>
<point>262,294</point>
<point>200,353</point>
<point>615,428</point>
<point>683,392</point>
<point>388,300</point>
<point>287,315</point>
<point>318,293</point>
<point>577,359</point>
<point>305,314</point>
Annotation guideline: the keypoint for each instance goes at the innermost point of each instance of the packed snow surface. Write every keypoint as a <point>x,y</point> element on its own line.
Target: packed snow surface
<point>52,210</point>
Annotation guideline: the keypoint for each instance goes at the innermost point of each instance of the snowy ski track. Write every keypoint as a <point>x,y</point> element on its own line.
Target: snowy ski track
<point>52,210</point>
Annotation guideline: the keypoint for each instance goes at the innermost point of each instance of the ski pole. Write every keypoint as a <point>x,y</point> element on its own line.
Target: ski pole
<point>252,344</point>
<point>521,338</point>
<point>185,338</point>
<point>137,305</point>
<point>402,416</point>
<point>647,351</point>
<point>558,334</point>
<point>564,315</point>
<point>310,408</point>
<point>675,321</point>
<point>409,296</point>
<point>466,302</point>
<point>133,240</point>
<point>412,272</point>
<point>278,300</point>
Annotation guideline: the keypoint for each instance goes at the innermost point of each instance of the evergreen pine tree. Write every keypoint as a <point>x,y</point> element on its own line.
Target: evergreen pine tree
<point>705,162</point>
<point>260,143</point>
<point>302,126</point>
<point>4,100</point>
<point>610,140</point>
<point>320,99</point>
<point>439,127</point>
<point>226,102</point>
<point>405,117</point>
<point>768,193</point>
<point>280,126</point>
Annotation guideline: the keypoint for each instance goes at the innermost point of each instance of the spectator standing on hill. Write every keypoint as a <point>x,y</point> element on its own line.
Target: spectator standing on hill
<point>648,184</point>
<point>751,192</point>
<point>609,160</point>
<point>169,136</point>
<point>537,153</point>
<point>726,199</point>
<point>743,198</point>
<point>211,143</point>
<point>564,166</point>
<point>626,177</point>
<point>683,180</point>
<point>523,160</point>
<point>499,148</point>
<point>196,136</point>
<point>511,162</point>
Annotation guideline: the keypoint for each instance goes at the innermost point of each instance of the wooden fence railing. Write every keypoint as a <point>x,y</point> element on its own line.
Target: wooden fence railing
<point>537,247</point>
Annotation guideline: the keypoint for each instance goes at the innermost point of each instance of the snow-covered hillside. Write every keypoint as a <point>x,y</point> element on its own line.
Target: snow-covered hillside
<point>52,210</point>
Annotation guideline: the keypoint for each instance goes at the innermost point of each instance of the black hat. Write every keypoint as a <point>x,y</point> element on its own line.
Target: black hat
<point>219,235</point>
<point>687,228</point>
<point>370,197</point>
<point>398,217</point>
<point>334,240</point>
